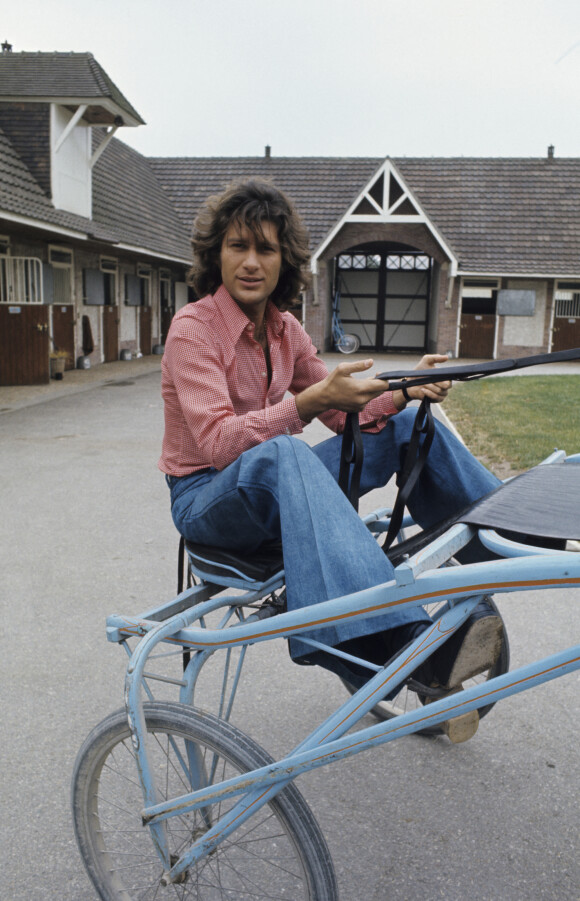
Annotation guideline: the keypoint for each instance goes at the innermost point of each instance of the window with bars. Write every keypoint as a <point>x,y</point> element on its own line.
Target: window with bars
<point>359,261</point>
<point>404,261</point>
<point>567,305</point>
<point>407,261</point>
<point>21,280</point>
<point>60,256</point>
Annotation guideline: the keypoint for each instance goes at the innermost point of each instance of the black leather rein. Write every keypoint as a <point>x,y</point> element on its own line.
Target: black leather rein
<point>352,452</point>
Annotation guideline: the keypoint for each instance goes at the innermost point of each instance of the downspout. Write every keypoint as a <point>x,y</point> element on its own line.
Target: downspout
<point>315,294</point>
<point>451,284</point>
<point>450,287</point>
<point>448,305</point>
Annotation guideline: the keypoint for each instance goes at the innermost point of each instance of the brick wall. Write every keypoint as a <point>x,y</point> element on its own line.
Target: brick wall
<point>319,302</point>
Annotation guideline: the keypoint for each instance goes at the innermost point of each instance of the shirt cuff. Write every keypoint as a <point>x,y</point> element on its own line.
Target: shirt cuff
<point>380,409</point>
<point>294,425</point>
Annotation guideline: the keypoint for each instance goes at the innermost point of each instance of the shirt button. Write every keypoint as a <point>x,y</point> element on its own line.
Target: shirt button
<point>264,375</point>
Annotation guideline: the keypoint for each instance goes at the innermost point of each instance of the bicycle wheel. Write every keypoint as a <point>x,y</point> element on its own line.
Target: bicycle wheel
<point>407,700</point>
<point>348,344</point>
<point>278,853</point>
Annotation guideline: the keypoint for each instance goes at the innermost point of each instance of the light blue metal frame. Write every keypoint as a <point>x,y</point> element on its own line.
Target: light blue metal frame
<point>418,581</point>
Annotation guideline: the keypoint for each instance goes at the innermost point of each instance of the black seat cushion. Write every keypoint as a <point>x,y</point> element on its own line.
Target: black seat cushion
<point>545,501</point>
<point>258,566</point>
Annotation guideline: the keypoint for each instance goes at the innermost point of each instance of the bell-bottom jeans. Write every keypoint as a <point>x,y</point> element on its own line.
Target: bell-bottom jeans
<point>285,490</point>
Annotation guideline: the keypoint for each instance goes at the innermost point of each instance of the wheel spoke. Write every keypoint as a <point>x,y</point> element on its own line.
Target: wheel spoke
<point>278,854</point>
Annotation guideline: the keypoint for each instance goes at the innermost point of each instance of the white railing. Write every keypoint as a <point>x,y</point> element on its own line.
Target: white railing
<point>21,280</point>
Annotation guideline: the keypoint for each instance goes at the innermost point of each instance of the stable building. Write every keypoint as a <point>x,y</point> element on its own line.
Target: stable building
<point>471,257</point>
<point>92,254</point>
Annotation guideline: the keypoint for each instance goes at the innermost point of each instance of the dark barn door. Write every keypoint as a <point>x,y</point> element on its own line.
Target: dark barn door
<point>111,333</point>
<point>477,335</point>
<point>566,333</point>
<point>24,344</point>
<point>477,324</point>
<point>145,333</point>
<point>384,296</point>
<point>566,328</point>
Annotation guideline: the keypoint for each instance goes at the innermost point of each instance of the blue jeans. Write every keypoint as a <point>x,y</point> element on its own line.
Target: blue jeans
<point>285,490</point>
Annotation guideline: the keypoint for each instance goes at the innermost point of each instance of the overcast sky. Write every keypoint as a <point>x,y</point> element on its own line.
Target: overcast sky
<point>328,77</point>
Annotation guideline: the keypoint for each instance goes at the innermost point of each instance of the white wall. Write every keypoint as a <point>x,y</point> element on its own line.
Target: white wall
<point>70,164</point>
<point>527,331</point>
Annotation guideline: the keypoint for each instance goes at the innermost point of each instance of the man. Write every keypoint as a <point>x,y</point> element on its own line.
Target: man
<point>240,378</point>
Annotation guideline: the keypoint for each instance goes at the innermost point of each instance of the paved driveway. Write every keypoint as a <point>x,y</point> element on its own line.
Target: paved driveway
<point>85,530</point>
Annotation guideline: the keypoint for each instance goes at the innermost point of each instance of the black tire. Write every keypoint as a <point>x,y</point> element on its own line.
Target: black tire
<point>280,852</point>
<point>407,700</point>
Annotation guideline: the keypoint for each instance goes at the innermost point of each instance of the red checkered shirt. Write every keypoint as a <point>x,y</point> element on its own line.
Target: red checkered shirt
<point>215,385</point>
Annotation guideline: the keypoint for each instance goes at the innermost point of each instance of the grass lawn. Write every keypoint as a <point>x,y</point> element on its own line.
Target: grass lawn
<point>513,423</point>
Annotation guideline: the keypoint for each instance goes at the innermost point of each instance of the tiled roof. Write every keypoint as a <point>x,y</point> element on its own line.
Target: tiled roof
<point>129,201</point>
<point>77,76</point>
<point>21,195</point>
<point>322,187</point>
<point>129,205</point>
<point>503,215</point>
<point>498,215</point>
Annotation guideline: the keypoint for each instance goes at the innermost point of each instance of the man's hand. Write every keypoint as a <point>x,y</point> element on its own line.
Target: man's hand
<point>340,391</point>
<point>436,392</point>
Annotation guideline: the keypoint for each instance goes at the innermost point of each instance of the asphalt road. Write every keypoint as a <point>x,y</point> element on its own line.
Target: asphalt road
<point>85,531</point>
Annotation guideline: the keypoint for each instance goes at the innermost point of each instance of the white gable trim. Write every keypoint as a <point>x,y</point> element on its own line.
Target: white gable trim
<point>377,204</point>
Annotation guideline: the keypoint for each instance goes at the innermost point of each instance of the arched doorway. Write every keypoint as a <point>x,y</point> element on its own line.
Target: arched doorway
<point>384,293</point>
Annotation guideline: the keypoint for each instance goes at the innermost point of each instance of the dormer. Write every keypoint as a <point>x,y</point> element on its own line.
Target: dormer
<point>49,104</point>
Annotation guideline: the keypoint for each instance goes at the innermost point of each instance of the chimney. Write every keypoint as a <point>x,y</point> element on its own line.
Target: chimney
<point>6,47</point>
<point>551,152</point>
<point>267,151</point>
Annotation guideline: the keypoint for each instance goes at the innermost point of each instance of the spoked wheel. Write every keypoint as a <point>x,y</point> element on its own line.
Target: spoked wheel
<point>348,344</point>
<point>406,700</point>
<point>279,853</point>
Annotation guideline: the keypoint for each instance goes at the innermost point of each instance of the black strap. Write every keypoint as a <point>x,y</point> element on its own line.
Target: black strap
<point>352,446</point>
<point>351,455</point>
<point>186,654</point>
<point>180,562</point>
<point>415,459</point>
<point>470,371</point>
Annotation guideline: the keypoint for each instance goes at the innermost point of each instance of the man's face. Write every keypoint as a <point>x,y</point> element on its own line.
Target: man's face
<point>250,265</point>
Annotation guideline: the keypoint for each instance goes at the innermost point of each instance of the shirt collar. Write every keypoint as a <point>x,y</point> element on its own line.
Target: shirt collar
<point>235,319</point>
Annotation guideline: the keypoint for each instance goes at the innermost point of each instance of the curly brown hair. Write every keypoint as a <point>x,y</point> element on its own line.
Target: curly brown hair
<point>249,204</point>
